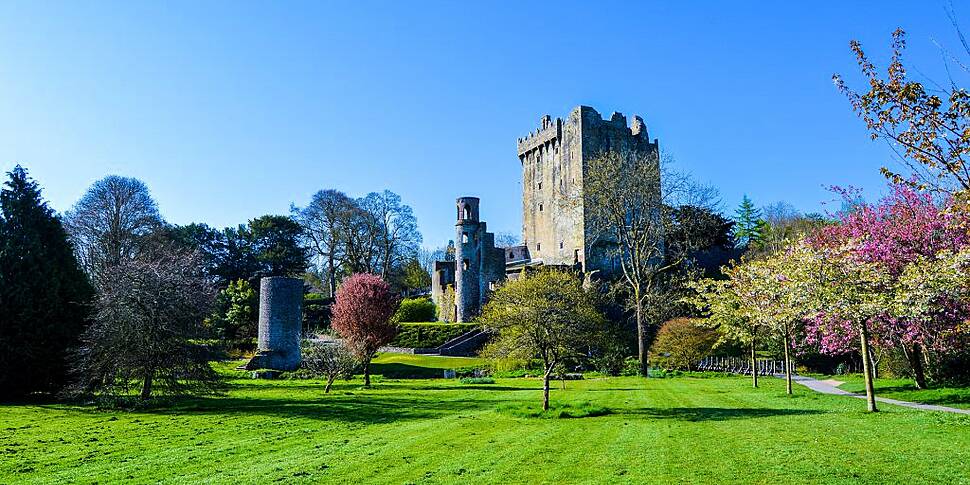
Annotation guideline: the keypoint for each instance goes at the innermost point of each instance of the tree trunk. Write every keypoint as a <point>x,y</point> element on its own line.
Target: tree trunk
<point>754,364</point>
<point>146,386</point>
<point>867,368</point>
<point>332,277</point>
<point>641,338</point>
<point>788,365</point>
<point>545,390</point>
<point>916,362</point>
<point>875,363</point>
<point>330,380</point>
<point>367,373</point>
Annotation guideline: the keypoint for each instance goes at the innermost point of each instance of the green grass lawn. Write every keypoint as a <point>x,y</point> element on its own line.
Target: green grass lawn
<point>677,430</point>
<point>905,390</point>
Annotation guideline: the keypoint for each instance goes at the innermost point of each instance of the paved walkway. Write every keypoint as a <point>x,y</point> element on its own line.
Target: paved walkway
<point>831,387</point>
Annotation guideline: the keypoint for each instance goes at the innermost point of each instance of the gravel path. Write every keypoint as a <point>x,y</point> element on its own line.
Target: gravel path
<point>831,387</point>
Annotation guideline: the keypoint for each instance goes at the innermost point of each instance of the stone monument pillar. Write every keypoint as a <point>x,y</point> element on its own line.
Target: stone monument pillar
<point>280,324</point>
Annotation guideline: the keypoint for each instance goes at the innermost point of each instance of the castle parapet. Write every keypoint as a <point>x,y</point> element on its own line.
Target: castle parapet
<point>549,130</point>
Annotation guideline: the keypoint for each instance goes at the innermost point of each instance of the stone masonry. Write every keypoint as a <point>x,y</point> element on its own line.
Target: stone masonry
<point>280,324</point>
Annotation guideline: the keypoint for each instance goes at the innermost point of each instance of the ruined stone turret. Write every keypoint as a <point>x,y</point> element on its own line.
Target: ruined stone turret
<point>280,324</point>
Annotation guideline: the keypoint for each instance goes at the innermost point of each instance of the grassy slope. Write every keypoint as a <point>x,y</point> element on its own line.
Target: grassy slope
<point>432,431</point>
<point>905,390</point>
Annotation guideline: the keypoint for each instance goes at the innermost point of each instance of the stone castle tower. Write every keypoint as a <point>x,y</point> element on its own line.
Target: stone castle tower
<point>556,226</point>
<point>554,160</point>
<point>478,265</point>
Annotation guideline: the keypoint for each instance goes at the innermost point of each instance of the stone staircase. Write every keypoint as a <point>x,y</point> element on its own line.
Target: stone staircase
<point>466,344</point>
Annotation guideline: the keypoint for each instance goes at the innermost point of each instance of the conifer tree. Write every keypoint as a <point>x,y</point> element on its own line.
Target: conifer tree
<point>44,294</point>
<point>748,228</point>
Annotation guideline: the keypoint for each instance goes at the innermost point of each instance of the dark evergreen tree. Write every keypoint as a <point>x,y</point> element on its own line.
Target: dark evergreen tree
<point>747,224</point>
<point>276,243</point>
<point>44,294</point>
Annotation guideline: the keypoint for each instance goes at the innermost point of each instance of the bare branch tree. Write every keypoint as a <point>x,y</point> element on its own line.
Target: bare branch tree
<point>112,222</point>
<point>630,200</point>
<point>147,313</point>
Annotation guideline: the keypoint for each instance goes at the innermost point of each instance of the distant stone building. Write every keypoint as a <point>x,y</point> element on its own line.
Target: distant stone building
<point>556,229</point>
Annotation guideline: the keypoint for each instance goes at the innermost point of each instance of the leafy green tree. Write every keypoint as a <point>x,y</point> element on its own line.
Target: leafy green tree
<point>681,343</point>
<point>275,242</point>
<point>236,315</point>
<point>726,311</point>
<point>44,294</point>
<point>748,227</point>
<point>415,277</point>
<point>546,316</point>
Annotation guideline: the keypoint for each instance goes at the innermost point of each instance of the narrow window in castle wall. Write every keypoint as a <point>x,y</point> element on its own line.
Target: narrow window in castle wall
<point>464,237</point>
<point>540,207</point>
<point>561,245</point>
<point>538,246</point>
<point>464,264</point>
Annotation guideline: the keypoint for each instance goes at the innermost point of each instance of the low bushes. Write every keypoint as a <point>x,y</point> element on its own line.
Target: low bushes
<point>428,334</point>
<point>416,310</point>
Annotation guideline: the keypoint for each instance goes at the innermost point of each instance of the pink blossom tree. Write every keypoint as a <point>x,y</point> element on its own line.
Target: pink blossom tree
<point>362,316</point>
<point>904,227</point>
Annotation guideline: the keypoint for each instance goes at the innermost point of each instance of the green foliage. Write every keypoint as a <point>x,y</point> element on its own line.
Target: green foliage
<point>430,334</point>
<point>547,316</point>
<point>681,343</point>
<point>748,226</point>
<point>44,294</point>
<point>416,310</point>
<point>316,312</point>
<point>631,367</point>
<point>275,242</point>
<point>235,315</point>
<point>414,276</point>
<point>446,308</point>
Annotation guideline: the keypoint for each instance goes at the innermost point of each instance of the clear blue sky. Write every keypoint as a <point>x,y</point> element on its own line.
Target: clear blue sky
<point>231,110</point>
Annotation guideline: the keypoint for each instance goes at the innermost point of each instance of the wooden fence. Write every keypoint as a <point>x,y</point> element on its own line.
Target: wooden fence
<point>739,365</point>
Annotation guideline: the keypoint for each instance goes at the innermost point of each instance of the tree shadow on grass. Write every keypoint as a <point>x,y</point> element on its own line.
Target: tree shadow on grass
<point>368,409</point>
<point>716,414</point>
<point>406,371</point>
<point>475,387</point>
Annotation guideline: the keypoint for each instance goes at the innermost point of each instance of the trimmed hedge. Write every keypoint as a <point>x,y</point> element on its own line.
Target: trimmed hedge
<point>416,310</point>
<point>428,334</point>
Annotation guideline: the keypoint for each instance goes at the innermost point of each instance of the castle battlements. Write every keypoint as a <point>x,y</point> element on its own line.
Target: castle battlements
<point>551,130</point>
<point>547,132</point>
